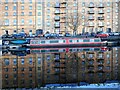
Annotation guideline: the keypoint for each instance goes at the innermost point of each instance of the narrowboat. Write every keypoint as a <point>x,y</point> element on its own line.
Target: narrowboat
<point>67,42</point>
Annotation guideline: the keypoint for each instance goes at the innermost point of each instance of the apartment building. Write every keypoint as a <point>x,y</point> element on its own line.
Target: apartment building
<point>54,16</point>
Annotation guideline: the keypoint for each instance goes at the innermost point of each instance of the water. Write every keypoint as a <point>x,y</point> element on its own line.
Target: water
<point>35,68</point>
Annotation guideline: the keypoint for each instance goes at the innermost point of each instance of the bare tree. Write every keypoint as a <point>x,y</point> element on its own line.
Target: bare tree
<point>73,21</point>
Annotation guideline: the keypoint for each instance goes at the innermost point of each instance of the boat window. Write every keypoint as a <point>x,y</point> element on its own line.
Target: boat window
<point>86,49</point>
<point>55,41</point>
<point>80,40</point>
<point>86,40</point>
<point>64,41</point>
<point>42,41</point>
<point>43,51</point>
<point>54,51</point>
<point>77,40</point>
<point>97,40</point>
<point>70,40</point>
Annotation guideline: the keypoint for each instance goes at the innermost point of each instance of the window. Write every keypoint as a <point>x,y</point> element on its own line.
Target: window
<point>15,75</point>
<point>6,69</point>
<point>75,11</point>
<point>6,1</point>
<point>108,11</point>
<point>39,13</point>
<point>22,74</point>
<point>83,62</point>
<point>108,4</point>
<point>39,68</point>
<point>6,60</point>
<point>48,10</point>
<point>14,61</point>
<point>48,57</point>
<point>30,13</point>
<point>48,24</point>
<point>75,4</point>
<point>14,13</point>
<point>108,55</point>
<point>108,17</point>
<point>30,21</point>
<point>108,61</point>
<point>6,13</point>
<point>83,4</point>
<point>57,57</point>
<point>39,7</point>
<point>22,21</point>
<point>22,7</point>
<point>22,1</point>
<point>14,22</point>
<point>83,10</point>
<point>30,7</point>
<point>30,1</point>
<point>6,7</point>
<point>91,4</point>
<point>108,67</point>
<point>48,16</point>
<point>48,4</point>
<point>22,69</point>
<point>39,60</point>
<point>14,7</point>
<point>6,75</point>
<point>14,1</point>
<point>14,69</point>
<point>83,56</point>
<point>22,13</point>
<point>30,74</point>
<point>83,17</point>
<point>30,60</point>
<point>22,61</point>
<point>30,68</point>
<point>39,1</point>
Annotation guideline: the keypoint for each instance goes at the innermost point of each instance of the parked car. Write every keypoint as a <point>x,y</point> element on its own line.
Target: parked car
<point>54,35</point>
<point>102,35</point>
<point>116,33</point>
<point>68,35</point>
<point>61,35</point>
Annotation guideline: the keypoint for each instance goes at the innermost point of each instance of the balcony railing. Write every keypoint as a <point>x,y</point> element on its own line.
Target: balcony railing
<point>90,12</point>
<point>57,12</point>
<point>90,18</point>
<point>101,25</point>
<point>57,18</point>
<point>101,18</point>
<point>101,12</point>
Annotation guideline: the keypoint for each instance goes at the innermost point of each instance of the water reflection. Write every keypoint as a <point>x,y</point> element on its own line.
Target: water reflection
<point>38,67</point>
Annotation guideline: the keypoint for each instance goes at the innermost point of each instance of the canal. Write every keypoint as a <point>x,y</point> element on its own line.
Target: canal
<point>39,67</point>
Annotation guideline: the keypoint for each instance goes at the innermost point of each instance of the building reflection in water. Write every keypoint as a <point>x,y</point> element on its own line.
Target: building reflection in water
<point>38,69</point>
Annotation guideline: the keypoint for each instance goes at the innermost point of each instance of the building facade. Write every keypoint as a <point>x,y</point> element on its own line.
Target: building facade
<point>54,16</point>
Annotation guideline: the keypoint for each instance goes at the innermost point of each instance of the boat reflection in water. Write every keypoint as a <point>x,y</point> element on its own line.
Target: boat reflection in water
<point>39,66</point>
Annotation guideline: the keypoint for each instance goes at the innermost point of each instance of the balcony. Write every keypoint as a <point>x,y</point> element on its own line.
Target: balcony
<point>101,12</point>
<point>90,18</point>
<point>101,18</point>
<point>57,26</point>
<point>57,5</point>
<point>57,18</point>
<point>57,12</point>
<point>101,5</point>
<point>90,25</point>
<point>100,24</point>
<point>91,12</point>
